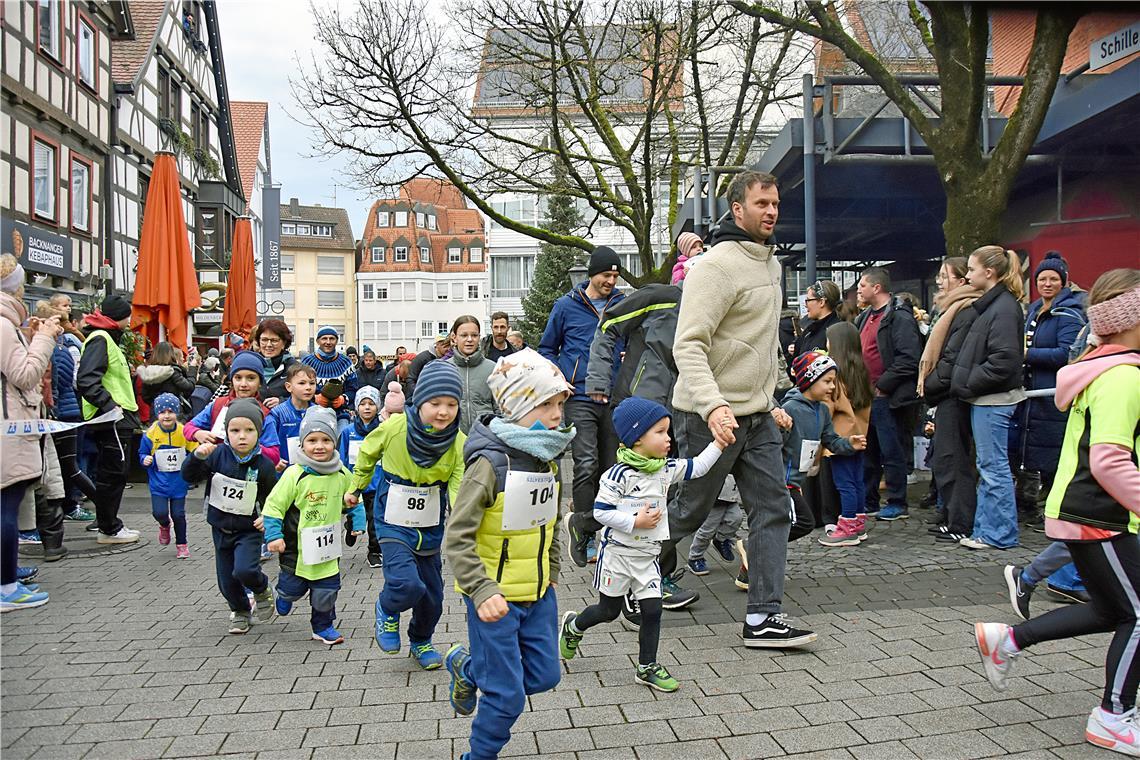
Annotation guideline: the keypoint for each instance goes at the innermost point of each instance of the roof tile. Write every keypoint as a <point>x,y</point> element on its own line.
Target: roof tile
<point>249,124</point>
<point>129,55</point>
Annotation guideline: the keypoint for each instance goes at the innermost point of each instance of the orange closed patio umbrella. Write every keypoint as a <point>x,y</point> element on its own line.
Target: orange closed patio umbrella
<point>240,314</point>
<point>166,285</point>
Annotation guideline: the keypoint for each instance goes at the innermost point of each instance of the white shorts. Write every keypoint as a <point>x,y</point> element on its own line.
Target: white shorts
<point>621,572</point>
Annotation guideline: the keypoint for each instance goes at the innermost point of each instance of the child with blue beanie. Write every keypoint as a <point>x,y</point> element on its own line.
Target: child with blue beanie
<point>421,455</point>
<point>162,451</point>
<point>632,506</point>
<point>351,439</point>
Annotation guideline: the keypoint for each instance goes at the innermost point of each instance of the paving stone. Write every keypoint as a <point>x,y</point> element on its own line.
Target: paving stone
<point>195,745</point>
<point>814,738</point>
<point>136,749</point>
<point>750,746</point>
<point>962,745</point>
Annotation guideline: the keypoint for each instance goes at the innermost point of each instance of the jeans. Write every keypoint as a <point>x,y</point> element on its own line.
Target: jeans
<point>1054,562</point>
<point>168,509</point>
<point>322,596</point>
<point>594,449</point>
<point>237,559</point>
<point>10,499</point>
<point>112,449</point>
<point>756,460</point>
<point>722,524</point>
<point>953,465</point>
<point>995,521</point>
<point>412,582</point>
<point>886,455</point>
<point>510,659</point>
<point>847,475</point>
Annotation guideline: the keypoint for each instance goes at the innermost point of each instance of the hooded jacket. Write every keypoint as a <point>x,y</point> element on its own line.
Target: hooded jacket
<point>992,353</point>
<point>900,346</point>
<point>477,399</point>
<point>255,469</point>
<point>161,378</point>
<point>811,421</point>
<point>646,321</point>
<point>22,367</point>
<point>570,330</point>
<point>94,365</point>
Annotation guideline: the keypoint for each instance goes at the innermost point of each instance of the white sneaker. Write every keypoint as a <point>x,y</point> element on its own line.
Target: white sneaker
<point>996,661</point>
<point>1115,732</point>
<point>124,536</point>
<point>973,543</point>
<point>131,531</point>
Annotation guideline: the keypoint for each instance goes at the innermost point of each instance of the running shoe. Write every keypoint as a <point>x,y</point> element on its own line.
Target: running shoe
<point>25,574</point>
<point>31,537</point>
<point>330,636</point>
<point>997,659</point>
<point>1019,593</point>
<point>724,549</point>
<point>239,622</point>
<point>124,536</point>
<point>576,541</point>
<point>893,512</point>
<point>182,551</point>
<point>79,514</point>
<point>656,676</point>
<point>591,551</point>
<point>775,632</point>
<point>1118,733</point>
<point>264,605</point>
<point>387,630</point>
<point>673,597</point>
<point>698,566</point>
<point>23,597</point>
<point>569,639</point>
<point>1067,595</point>
<point>424,654</point>
<point>462,695</point>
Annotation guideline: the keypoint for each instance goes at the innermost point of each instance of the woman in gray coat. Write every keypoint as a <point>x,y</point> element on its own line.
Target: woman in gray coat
<point>474,369</point>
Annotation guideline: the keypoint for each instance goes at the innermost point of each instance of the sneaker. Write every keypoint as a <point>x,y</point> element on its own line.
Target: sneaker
<point>724,549</point>
<point>1066,595</point>
<point>182,551</point>
<point>893,512</point>
<point>630,613</point>
<point>424,654</point>
<point>124,536</point>
<point>1118,733</point>
<point>462,694</point>
<point>742,552</point>
<point>328,636</point>
<point>937,517</point>
<point>25,574</point>
<point>872,509</point>
<point>576,542</point>
<point>656,676</point>
<point>591,551</point>
<point>862,528</point>
<point>775,632</point>
<point>568,640</point>
<point>30,537</point>
<point>91,527</point>
<point>32,587</point>
<point>975,543</point>
<point>938,530</point>
<point>23,597</point>
<point>79,514</point>
<point>375,560</point>
<point>996,659</point>
<point>845,534</point>
<point>387,630</point>
<point>1019,593</point>
<point>282,605</point>
<point>163,535</point>
<point>239,622</point>
<point>950,538</point>
<point>266,555</point>
<point>742,578</point>
<point>698,566</point>
<point>673,597</point>
<point>264,605</point>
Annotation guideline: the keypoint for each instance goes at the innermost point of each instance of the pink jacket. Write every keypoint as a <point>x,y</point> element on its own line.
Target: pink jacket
<point>23,366</point>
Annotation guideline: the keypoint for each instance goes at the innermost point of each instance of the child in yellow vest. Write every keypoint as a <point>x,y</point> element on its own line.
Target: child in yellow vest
<point>503,545</point>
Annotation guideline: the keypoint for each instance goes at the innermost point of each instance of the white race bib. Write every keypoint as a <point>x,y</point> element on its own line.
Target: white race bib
<point>808,452</point>
<point>412,506</point>
<point>320,543</point>
<point>354,451</point>
<point>530,499</point>
<point>294,448</point>
<point>658,533</point>
<point>169,460</point>
<point>238,497</point>
<point>219,428</point>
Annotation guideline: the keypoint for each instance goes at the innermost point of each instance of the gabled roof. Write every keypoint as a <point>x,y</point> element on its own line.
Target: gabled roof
<point>437,192</point>
<point>129,55</point>
<point>342,229</point>
<point>250,122</point>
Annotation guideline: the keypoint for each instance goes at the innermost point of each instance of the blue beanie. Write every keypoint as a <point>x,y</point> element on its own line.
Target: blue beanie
<point>247,360</point>
<point>166,402</point>
<point>438,378</point>
<point>633,418</point>
<point>1054,262</point>
<point>326,330</point>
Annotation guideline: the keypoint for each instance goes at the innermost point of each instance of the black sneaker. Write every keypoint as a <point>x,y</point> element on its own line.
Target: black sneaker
<point>936,530</point>
<point>576,542</point>
<point>673,597</point>
<point>950,538</point>
<point>1067,596</point>
<point>1019,593</point>
<point>937,517</point>
<point>742,578</point>
<point>775,633</point>
<point>375,560</point>
<point>630,613</point>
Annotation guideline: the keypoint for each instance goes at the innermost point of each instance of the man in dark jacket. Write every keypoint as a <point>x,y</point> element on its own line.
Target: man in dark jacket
<point>647,322</point>
<point>570,330</point>
<point>370,372</point>
<point>892,346</point>
<point>495,345</point>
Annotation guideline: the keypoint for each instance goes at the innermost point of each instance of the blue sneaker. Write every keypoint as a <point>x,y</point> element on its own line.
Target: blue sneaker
<point>387,630</point>
<point>284,606</point>
<point>893,512</point>
<point>591,551</point>
<point>266,555</point>
<point>328,636</point>
<point>698,566</point>
<point>724,549</point>
<point>462,694</point>
<point>25,574</point>
<point>30,537</point>
<point>424,654</point>
<point>21,598</point>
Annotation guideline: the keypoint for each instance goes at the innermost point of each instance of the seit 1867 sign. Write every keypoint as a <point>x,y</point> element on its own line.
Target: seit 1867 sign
<point>36,249</point>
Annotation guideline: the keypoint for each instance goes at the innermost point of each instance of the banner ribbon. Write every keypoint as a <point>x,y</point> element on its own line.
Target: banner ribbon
<point>47,427</point>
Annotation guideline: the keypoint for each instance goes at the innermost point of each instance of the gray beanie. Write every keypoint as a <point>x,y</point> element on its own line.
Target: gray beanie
<point>247,408</point>
<point>319,419</point>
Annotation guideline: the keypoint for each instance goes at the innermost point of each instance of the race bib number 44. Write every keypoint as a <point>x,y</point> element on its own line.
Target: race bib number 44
<point>412,506</point>
<point>319,544</point>
<point>169,460</point>
<point>530,499</point>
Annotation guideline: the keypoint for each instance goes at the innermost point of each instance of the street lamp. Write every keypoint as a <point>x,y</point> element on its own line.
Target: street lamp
<point>578,274</point>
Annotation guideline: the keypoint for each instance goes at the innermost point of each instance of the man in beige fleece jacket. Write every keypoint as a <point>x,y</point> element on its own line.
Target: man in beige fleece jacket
<point>726,354</point>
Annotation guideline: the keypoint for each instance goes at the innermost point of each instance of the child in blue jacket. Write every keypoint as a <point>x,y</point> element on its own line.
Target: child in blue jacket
<point>301,384</point>
<point>351,439</point>
<point>162,452</point>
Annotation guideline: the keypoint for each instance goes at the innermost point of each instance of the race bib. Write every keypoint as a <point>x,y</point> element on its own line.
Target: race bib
<point>169,460</point>
<point>219,428</point>
<point>530,499</point>
<point>658,533</point>
<point>353,451</point>
<point>238,497</point>
<point>294,445</point>
<point>320,543</point>
<point>808,452</point>
<point>412,506</point>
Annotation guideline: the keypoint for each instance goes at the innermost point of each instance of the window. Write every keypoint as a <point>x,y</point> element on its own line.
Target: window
<point>427,329</point>
<point>401,219</point>
<point>475,255</point>
<point>511,276</point>
<point>409,329</point>
<point>339,330</point>
<point>431,221</point>
<point>381,292</point>
<point>304,229</point>
<point>144,189</point>
<point>330,299</point>
<point>382,330</point>
<point>381,218</point>
<point>427,292</point>
<point>286,262</point>
<point>420,220</point>
<point>396,291</point>
<point>367,295</point>
<point>425,255</point>
<point>441,291</point>
<point>322,230</point>
<point>368,330</point>
<point>454,255</point>
<point>50,28</point>
<point>195,123</point>
<point>87,52</point>
<point>169,98</point>
<point>472,292</point>
<point>286,297</point>
<point>80,200</point>
<point>377,254</point>
<point>442,327</point>
<point>401,254</point>
<point>288,229</point>
<point>398,330</point>
<point>330,265</point>
<point>45,178</point>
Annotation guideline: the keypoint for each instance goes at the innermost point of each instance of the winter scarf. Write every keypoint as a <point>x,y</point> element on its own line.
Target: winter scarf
<point>639,462</point>
<point>949,304</point>
<point>546,445</point>
<point>427,446</point>
<point>319,468</point>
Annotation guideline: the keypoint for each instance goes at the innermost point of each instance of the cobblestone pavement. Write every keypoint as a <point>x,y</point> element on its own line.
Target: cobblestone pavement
<point>131,660</point>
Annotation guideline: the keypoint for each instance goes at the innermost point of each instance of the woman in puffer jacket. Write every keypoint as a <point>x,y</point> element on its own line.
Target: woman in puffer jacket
<point>165,374</point>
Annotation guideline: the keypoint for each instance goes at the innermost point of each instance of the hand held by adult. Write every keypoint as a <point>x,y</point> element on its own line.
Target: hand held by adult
<point>721,424</point>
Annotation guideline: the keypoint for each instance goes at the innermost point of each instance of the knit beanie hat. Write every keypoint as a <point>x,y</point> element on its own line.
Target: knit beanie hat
<point>247,360</point>
<point>1116,315</point>
<point>326,330</point>
<point>115,307</point>
<point>635,416</point>
<point>370,393</point>
<point>523,380</point>
<point>437,379</point>
<point>1053,262</point>
<point>603,259</point>
<point>318,419</point>
<point>811,366</point>
<point>686,242</point>
<point>166,402</point>
<point>394,400</point>
<point>248,408</point>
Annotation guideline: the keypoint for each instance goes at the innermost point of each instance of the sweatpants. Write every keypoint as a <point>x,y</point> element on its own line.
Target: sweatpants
<point>607,610</point>
<point>594,450</point>
<point>1111,570</point>
<point>1055,563</point>
<point>723,522</point>
<point>168,509</point>
<point>322,596</point>
<point>237,559</point>
<point>412,582</point>
<point>511,659</point>
<point>112,449</point>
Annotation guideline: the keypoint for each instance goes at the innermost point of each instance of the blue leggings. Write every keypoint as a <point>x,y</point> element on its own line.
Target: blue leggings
<point>167,509</point>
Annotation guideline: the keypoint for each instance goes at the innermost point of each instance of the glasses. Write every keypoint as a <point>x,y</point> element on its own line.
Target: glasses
<point>269,341</point>
<point>816,288</point>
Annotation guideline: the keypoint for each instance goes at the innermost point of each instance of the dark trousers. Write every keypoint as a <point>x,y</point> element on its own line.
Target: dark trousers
<point>10,499</point>
<point>953,464</point>
<point>1111,570</point>
<point>168,509</point>
<point>412,582</point>
<point>886,456</point>
<point>594,449</point>
<point>112,449</point>
<point>370,507</point>
<point>67,449</point>
<point>322,596</point>
<point>237,559</point>
<point>607,610</point>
